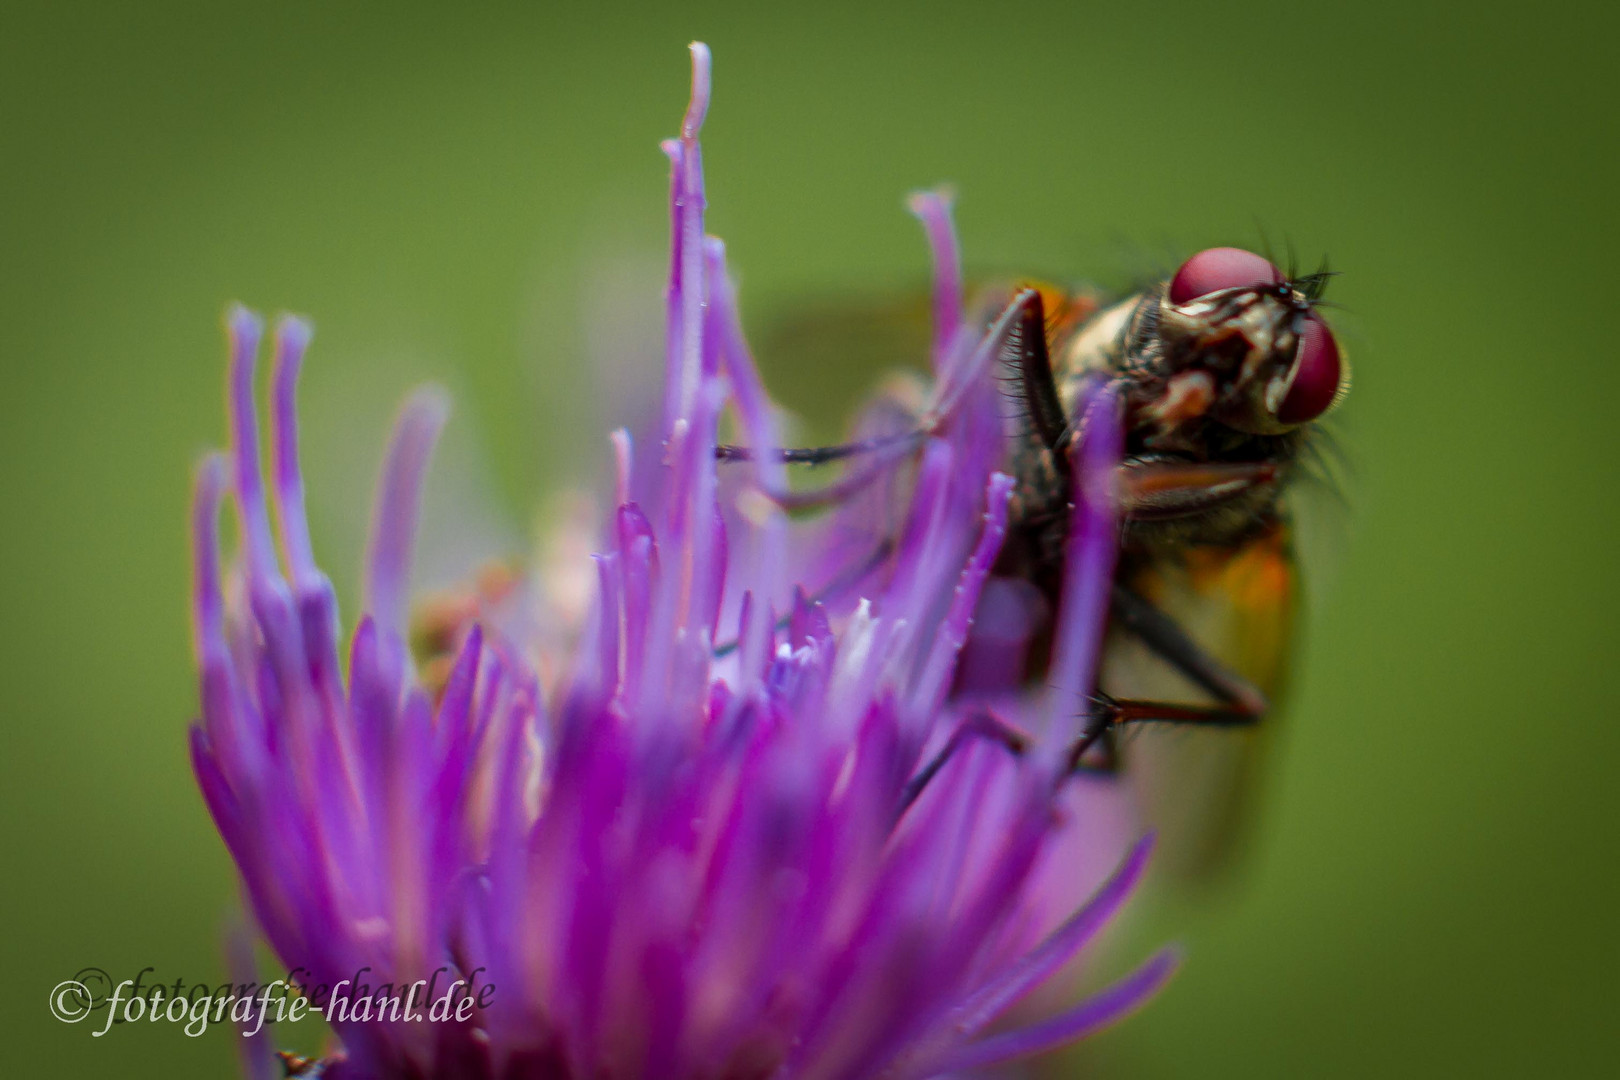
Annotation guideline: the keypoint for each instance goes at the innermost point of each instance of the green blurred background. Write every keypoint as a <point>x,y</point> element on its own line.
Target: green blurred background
<point>471,196</point>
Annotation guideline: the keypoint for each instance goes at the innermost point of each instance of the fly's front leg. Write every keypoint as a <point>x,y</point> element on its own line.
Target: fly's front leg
<point>1029,366</point>
<point>1018,338</point>
<point>822,455</point>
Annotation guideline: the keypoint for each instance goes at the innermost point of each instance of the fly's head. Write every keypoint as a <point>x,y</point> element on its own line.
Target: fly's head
<point>1231,340</point>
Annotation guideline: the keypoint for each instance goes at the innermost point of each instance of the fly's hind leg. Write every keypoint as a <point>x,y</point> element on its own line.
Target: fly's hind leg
<point>1241,704</point>
<point>1097,751</point>
<point>1165,637</point>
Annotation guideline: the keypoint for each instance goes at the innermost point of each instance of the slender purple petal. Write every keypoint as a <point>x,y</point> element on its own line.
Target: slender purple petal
<point>1095,1013</point>
<point>933,209</point>
<point>1057,950</point>
<point>208,604</point>
<point>1088,569</point>
<point>954,631</point>
<point>292,339</point>
<point>961,379</point>
<point>624,465</point>
<point>690,205</point>
<point>253,1050</point>
<point>399,497</point>
<point>244,329</point>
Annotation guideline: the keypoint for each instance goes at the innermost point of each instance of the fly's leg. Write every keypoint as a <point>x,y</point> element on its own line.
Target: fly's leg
<point>1094,753</point>
<point>1240,702</point>
<point>820,455</point>
<point>979,725</point>
<point>1018,336</point>
<point>1151,490</point>
<point>1162,634</point>
<point>1024,355</point>
<point>882,454</point>
<point>1097,750</point>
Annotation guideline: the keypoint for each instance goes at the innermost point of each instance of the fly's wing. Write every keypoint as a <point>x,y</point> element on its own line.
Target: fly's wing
<point>823,356</point>
<point>1320,499</point>
<point>1194,784</point>
<point>808,351</point>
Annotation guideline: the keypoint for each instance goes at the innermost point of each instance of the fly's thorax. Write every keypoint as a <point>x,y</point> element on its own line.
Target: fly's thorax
<point>1097,347</point>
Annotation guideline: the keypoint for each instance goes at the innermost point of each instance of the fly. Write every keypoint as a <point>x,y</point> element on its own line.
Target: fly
<point>1221,372</point>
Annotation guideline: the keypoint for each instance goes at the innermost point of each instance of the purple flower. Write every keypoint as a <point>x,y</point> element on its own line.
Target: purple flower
<point>708,847</point>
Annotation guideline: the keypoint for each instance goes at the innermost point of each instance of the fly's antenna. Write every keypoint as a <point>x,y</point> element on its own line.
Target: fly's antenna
<point>1314,284</point>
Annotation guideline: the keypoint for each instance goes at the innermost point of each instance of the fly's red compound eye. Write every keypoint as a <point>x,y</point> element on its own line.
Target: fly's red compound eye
<point>1215,269</point>
<point>1318,370</point>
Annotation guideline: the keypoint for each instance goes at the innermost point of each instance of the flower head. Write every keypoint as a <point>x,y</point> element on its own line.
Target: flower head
<point>748,832</point>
